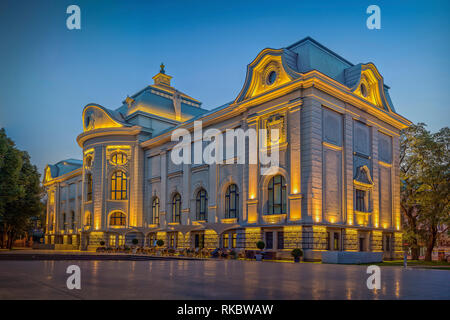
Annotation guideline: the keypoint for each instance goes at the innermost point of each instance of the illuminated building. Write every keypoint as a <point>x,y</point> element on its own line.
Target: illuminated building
<point>336,188</point>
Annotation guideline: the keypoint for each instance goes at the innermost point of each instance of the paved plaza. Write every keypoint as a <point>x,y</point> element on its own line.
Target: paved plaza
<point>210,279</point>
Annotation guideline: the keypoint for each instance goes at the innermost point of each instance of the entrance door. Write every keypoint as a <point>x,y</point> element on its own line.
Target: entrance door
<point>269,240</point>
<point>362,244</point>
<point>199,240</point>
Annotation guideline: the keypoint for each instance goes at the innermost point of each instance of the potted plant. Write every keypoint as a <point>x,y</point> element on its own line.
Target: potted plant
<point>159,243</point>
<point>260,245</point>
<point>134,242</point>
<point>233,254</point>
<point>297,253</point>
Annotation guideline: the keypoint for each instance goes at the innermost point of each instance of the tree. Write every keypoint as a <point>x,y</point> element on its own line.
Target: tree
<point>425,177</point>
<point>20,191</point>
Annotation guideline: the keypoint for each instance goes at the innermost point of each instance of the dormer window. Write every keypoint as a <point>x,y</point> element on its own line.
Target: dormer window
<point>271,77</point>
<point>363,90</point>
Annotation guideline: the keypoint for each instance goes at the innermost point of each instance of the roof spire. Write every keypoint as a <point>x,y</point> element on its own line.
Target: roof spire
<point>162,68</point>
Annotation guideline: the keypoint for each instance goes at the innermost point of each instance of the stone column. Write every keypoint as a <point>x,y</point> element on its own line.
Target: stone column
<point>311,161</point>
<point>295,197</point>
<point>348,168</point>
<point>395,182</point>
<point>186,194</point>
<point>163,191</point>
<point>251,196</point>
<point>375,221</point>
<point>213,215</point>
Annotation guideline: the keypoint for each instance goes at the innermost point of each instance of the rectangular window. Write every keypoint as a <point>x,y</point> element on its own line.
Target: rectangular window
<point>234,240</point>
<point>269,240</point>
<point>280,238</point>
<point>225,240</point>
<point>121,240</point>
<point>360,200</point>
<point>112,240</point>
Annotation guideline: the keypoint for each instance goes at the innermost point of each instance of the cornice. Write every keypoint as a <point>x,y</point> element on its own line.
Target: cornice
<point>64,177</point>
<point>103,132</point>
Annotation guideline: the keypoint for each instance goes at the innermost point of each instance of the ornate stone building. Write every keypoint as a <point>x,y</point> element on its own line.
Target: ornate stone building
<point>336,187</point>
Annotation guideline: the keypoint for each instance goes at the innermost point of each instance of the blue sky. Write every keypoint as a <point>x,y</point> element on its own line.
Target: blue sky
<point>49,73</point>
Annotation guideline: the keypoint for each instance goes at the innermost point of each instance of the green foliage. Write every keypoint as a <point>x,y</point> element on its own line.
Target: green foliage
<point>160,243</point>
<point>260,245</point>
<point>425,185</point>
<point>20,191</point>
<point>135,241</point>
<point>102,243</point>
<point>297,253</point>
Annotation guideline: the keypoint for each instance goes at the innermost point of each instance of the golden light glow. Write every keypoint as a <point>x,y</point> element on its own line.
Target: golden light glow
<point>319,228</point>
<point>229,220</point>
<point>252,235</point>
<point>370,82</point>
<point>48,174</point>
<point>100,119</point>
<point>292,228</point>
<point>52,197</point>
<point>295,210</point>
<point>274,218</point>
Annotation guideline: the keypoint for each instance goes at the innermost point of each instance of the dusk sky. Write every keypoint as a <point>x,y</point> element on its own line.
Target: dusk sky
<point>49,73</point>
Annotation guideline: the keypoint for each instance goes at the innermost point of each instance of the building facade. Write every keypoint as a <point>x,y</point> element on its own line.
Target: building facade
<point>336,186</point>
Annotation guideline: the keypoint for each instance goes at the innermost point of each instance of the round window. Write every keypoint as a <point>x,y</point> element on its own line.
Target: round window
<point>119,158</point>
<point>271,77</point>
<point>363,89</point>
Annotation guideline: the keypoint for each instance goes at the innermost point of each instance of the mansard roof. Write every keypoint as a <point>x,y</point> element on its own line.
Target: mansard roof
<point>61,168</point>
<point>307,55</point>
<point>159,101</point>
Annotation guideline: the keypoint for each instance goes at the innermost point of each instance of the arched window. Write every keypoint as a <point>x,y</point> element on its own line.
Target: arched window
<point>155,210</point>
<point>232,202</point>
<point>117,218</point>
<point>119,158</point>
<point>89,187</point>
<point>119,186</point>
<point>277,195</point>
<point>72,221</point>
<point>88,218</point>
<point>202,205</point>
<point>176,208</point>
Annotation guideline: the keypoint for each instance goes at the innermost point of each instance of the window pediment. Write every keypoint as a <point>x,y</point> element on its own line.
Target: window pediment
<point>363,178</point>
